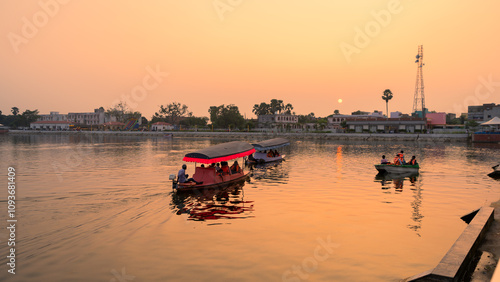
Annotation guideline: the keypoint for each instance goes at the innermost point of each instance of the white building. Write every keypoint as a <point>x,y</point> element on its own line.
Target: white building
<point>396,114</point>
<point>95,118</point>
<point>335,121</point>
<point>484,112</point>
<point>50,125</point>
<point>53,116</point>
<point>279,121</point>
<point>161,126</point>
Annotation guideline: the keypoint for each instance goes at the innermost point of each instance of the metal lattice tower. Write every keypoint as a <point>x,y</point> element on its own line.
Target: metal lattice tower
<point>419,97</point>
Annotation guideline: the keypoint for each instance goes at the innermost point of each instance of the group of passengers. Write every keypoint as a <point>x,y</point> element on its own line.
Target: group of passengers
<point>222,168</point>
<point>272,154</point>
<point>399,159</point>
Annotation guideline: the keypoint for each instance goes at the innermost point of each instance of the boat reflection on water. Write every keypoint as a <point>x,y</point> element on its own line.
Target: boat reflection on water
<point>386,179</point>
<point>273,171</point>
<point>397,181</point>
<point>213,204</point>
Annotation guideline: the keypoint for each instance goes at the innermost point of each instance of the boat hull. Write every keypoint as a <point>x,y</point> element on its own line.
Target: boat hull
<point>486,137</point>
<point>192,186</point>
<point>263,158</point>
<point>397,169</point>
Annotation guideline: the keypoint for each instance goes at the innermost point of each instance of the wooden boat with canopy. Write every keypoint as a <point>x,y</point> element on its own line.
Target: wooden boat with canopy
<point>261,156</point>
<point>208,176</point>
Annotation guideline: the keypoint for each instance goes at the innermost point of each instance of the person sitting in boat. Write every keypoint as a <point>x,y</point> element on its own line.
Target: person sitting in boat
<point>402,157</point>
<point>235,168</point>
<point>413,161</point>
<point>182,177</point>
<point>276,154</point>
<point>270,154</point>
<point>225,168</point>
<point>384,160</point>
<point>251,158</point>
<point>397,160</point>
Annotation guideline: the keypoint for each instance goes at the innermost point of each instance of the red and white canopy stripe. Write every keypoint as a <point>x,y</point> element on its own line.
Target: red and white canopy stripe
<point>220,152</point>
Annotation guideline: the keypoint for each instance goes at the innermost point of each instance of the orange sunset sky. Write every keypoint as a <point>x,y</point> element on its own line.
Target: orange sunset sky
<point>74,56</point>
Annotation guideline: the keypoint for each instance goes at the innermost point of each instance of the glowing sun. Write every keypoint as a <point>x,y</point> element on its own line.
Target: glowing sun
<point>340,100</point>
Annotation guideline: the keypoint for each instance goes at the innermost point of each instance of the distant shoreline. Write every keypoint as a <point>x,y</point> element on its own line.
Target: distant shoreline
<point>447,138</point>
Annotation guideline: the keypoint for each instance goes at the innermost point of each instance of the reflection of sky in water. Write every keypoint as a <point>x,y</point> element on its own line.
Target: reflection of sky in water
<point>397,182</point>
<point>90,204</point>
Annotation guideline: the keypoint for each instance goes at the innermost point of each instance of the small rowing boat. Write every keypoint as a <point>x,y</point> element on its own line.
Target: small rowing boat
<point>397,169</point>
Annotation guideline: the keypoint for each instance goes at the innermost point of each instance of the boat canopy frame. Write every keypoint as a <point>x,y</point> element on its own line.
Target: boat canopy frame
<point>220,152</point>
<point>271,144</point>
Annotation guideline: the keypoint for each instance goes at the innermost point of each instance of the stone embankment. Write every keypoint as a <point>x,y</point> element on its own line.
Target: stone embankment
<point>267,135</point>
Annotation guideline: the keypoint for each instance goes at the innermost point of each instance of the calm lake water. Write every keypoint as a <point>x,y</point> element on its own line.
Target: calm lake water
<point>102,209</point>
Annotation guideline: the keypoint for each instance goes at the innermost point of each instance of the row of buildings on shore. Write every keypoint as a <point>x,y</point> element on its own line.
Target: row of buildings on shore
<point>377,122</point>
<point>356,122</point>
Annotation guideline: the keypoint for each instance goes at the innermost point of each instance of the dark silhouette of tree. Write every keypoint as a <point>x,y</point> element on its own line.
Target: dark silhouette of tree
<point>358,112</point>
<point>27,117</point>
<point>274,107</point>
<point>277,106</point>
<point>386,97</point>
<point>122,113</point>
<point>471,124</point>
<point>118,111</point>
<point>262,109</point>
<point>194,121</point>
<point>172,112</point>
<point>226,116</point>
<point>15,110</point>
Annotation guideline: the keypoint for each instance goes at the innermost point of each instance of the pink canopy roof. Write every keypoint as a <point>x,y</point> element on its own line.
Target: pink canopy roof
<point>221,152</point>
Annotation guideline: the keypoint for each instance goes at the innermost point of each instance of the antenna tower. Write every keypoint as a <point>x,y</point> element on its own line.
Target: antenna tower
<point>419,97</point>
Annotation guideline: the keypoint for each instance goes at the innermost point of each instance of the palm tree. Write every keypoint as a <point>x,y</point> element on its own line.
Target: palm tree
<point>15,110</point>
<point>387,96</point>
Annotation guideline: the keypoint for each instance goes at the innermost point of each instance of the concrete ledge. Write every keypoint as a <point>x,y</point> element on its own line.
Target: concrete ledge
<point>456,262</point>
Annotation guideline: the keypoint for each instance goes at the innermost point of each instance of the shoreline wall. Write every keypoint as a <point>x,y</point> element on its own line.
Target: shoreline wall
<point>389,137</point>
